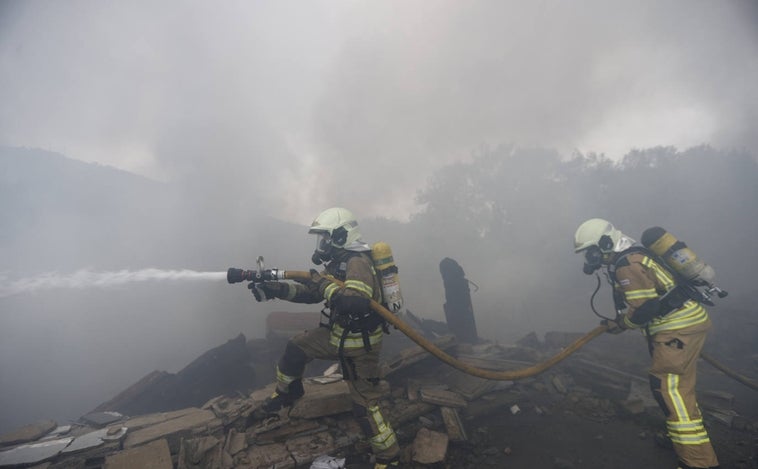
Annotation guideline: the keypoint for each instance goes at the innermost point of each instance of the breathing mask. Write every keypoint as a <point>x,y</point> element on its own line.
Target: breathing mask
<point>324,248</point>
<point>595,255</point>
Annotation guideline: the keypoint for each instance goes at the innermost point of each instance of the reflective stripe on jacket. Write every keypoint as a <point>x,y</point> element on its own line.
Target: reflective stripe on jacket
<point>643,279</point>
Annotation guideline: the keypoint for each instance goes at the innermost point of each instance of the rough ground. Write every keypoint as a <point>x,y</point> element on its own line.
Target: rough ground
<point>592,410</point>
<point>565,437</point>
<point>593,431</point>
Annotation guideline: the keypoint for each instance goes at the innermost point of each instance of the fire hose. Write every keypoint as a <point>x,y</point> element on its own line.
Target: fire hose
<point>411,333</point>
<point>402,326</point>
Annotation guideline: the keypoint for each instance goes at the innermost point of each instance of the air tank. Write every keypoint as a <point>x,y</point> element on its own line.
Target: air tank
<point>677,255</point>
<point>384,263</point>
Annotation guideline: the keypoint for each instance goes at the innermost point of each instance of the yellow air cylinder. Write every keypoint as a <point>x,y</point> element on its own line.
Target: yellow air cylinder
<point>384,263</point>
<point>677,255</point>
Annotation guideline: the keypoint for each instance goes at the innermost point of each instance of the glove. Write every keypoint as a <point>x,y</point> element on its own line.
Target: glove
<point>616,326</point>
<point>267,290</point>
<point>318,279</point>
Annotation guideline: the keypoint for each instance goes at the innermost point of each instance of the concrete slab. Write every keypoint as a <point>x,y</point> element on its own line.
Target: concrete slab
<point>27,433</point>
<point>135,423</point>
<point>154,455</point>
<point>33,453</point>
<point>181,425</point>
<point>321,400</point>
<point>101,419</point>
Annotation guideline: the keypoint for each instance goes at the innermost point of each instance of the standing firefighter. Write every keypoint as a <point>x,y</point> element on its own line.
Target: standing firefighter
<point>675,329</point>
<point>352,334</point>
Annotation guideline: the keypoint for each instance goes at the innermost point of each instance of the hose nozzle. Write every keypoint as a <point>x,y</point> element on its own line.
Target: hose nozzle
<point>234,275</point>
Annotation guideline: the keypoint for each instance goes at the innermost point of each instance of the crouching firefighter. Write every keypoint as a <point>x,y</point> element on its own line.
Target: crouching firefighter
<point>351,332</point>
<point>674,324</point>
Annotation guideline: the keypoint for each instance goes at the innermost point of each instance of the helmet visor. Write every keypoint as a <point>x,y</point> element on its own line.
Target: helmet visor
<point>323,241</point>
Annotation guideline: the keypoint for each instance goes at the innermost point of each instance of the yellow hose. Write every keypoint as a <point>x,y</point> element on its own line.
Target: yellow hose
<point>505,375</point>
<point>735,376</point>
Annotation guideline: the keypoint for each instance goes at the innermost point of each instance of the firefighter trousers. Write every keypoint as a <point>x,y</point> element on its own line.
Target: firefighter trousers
<point>673,373</point>
<point>360,369</point>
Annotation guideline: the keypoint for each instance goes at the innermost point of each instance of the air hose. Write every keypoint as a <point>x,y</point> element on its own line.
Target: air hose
<point>504,375</point>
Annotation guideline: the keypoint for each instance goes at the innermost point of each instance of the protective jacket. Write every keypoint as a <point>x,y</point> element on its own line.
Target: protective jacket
<point>643,281</point>
<point>676,335</point>
<point>352,322</point>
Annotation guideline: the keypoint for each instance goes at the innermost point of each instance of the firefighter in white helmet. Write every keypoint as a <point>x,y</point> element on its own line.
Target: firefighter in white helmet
<point>352,334</point>
<point>675,326</point>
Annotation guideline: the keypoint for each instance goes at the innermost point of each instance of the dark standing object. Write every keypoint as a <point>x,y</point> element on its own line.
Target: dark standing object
<point>220,371</point>
<point>458,310</point>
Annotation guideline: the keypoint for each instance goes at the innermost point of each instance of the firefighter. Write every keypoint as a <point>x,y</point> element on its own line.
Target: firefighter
<point>675,330</point>
<point>352,333</point>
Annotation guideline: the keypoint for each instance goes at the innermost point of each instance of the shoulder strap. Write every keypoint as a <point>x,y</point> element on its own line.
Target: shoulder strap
<point>622,261</point>
<point>680,282</point>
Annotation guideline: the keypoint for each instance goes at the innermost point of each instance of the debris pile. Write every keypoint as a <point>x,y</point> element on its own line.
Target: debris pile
<point>443,417</point>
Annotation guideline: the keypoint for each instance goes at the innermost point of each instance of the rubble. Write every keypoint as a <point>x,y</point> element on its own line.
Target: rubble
<point>31,453</point>
<point>28,433</point>
<point>213,373</point>
<point>154,455</point>
<point>436,411</point>
<point>100,419</point>
<point>429,446</point>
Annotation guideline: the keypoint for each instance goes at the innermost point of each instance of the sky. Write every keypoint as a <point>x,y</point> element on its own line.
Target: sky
<point>310,104</point>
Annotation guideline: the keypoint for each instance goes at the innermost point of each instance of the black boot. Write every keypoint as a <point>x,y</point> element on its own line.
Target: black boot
<point>280,400</point>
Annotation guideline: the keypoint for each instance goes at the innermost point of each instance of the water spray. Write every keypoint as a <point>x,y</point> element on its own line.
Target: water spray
<point>82,279</point>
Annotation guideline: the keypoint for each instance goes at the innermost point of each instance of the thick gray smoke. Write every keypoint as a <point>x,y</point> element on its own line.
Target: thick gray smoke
<point>303,104</point>
<point>448,127</point>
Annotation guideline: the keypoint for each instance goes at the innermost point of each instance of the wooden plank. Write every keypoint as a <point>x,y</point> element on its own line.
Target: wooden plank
<point>441,397</point>
<point>453,424</point>
<point>496,364</point>
<point>469,387</point>
<point>415,354</point>
<point>285,432</point>
<point>404,411</point>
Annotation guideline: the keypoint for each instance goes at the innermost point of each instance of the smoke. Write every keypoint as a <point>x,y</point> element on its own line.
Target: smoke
<point>258,110</point>
<point>88,279</point>
<point>341,101</point>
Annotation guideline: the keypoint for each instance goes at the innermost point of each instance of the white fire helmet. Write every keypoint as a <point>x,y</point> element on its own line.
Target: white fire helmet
<point>337,227</point>
<point>601,233</point>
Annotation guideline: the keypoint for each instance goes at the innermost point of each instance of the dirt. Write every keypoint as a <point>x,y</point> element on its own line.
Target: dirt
<point>564,439</point>
<point>565,435</point>
<point>587,427</point>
